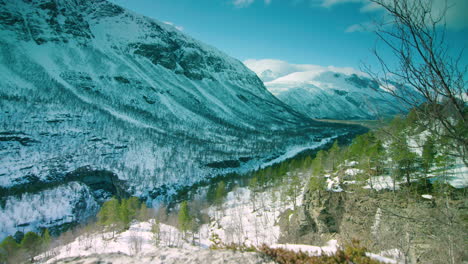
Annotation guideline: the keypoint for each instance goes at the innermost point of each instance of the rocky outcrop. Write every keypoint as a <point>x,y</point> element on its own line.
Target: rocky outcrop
<point>418,227</point>
<point>325,215</point>
<point>59,202</point>
<point>99,181</point>
<point>321,213</point>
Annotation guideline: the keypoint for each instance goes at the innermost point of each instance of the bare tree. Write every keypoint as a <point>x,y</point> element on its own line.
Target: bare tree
<point>136,242</point>
<point>156,230</point>
<point>426,69</point>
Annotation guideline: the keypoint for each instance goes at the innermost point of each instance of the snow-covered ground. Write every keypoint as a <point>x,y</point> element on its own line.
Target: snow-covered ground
<point>76,203</point>
<point>138,245</point>
<point>248,217</point>
<point>138,239</point>
<point>174,256</point>
<point>333,183</point>
<point>382,182</point>
<point>241,219</point>
<point>458,175</point>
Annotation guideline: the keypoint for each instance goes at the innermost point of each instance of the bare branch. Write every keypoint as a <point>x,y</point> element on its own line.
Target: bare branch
<point>426,68</point>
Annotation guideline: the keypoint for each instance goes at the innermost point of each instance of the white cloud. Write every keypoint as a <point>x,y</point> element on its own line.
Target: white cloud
<point>370,7</point>
<point>174,25</point>
<point>456,18</point>
<point>354,28</point>
<point>330,3</point>
<point>242,3</point>
<point>362,27</point>
<point>246,3</point>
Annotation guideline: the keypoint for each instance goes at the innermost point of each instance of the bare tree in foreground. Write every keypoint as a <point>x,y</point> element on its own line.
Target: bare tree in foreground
<point>415,37</point>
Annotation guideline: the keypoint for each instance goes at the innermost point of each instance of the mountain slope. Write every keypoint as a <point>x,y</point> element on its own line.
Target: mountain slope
<point>326,92</point>
<point>99,101</point>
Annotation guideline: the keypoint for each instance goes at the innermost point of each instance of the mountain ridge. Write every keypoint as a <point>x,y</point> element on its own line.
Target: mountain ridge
<point>326,92</point>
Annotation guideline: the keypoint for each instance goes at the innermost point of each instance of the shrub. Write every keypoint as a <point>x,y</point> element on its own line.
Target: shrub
<point>353,253</point>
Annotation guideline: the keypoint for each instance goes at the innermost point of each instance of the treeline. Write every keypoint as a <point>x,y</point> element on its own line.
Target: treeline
<point>116,215</point>
<point>23,248</point>
<point>384,151</point>
<point>287,174</point>
<point>397,150</point>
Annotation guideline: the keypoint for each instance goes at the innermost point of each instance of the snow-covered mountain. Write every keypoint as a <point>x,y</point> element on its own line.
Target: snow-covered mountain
<point>326,92</point>
<point>97,101</point>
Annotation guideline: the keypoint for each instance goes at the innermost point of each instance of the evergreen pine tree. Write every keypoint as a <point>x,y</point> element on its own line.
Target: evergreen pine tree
<point>8,249</point>
<point>109,215</point>
<point>133,206</point>
<point>211,193</point>
<point>355,149</point>
<point>18,236</point>
<point>46,239</point>
<point>124,214</point>
<point>317,164</point>
<point>316,183</point>
<point>253,184</point>
<point>31,243</point>
<point>156,231</point>
<point>294,188</point>
<point>333,155</point>
<point>428,154</point>
<point>283,169</point>
<point>403,158</point>
<point>143,212</point>
<point>184,217</point>
<point>220,193</point>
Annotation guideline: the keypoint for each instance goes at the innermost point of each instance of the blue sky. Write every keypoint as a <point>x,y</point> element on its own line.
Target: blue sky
<point>321,32</point>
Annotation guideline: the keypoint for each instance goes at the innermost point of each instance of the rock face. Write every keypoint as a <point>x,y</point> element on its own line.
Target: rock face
<point>322,213</point>
<point>328,215</point>
<point>88,84</point>
<point>411,224</point>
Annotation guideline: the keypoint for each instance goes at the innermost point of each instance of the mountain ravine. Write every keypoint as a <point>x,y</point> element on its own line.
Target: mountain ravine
<point>99,101</point>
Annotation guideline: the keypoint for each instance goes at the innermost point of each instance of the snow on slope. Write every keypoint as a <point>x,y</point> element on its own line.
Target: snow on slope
<point>326,92</point>
<point>242,218</point>
<point>173,256</point>
<point>90,85</point>
<point>76,203</point>
<point>137,245</point>
<point>247,217</point>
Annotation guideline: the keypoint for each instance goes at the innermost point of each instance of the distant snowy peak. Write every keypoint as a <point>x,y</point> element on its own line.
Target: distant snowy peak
<point>327,80</point>
<point>269,70</point>
<point>326,92</point>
